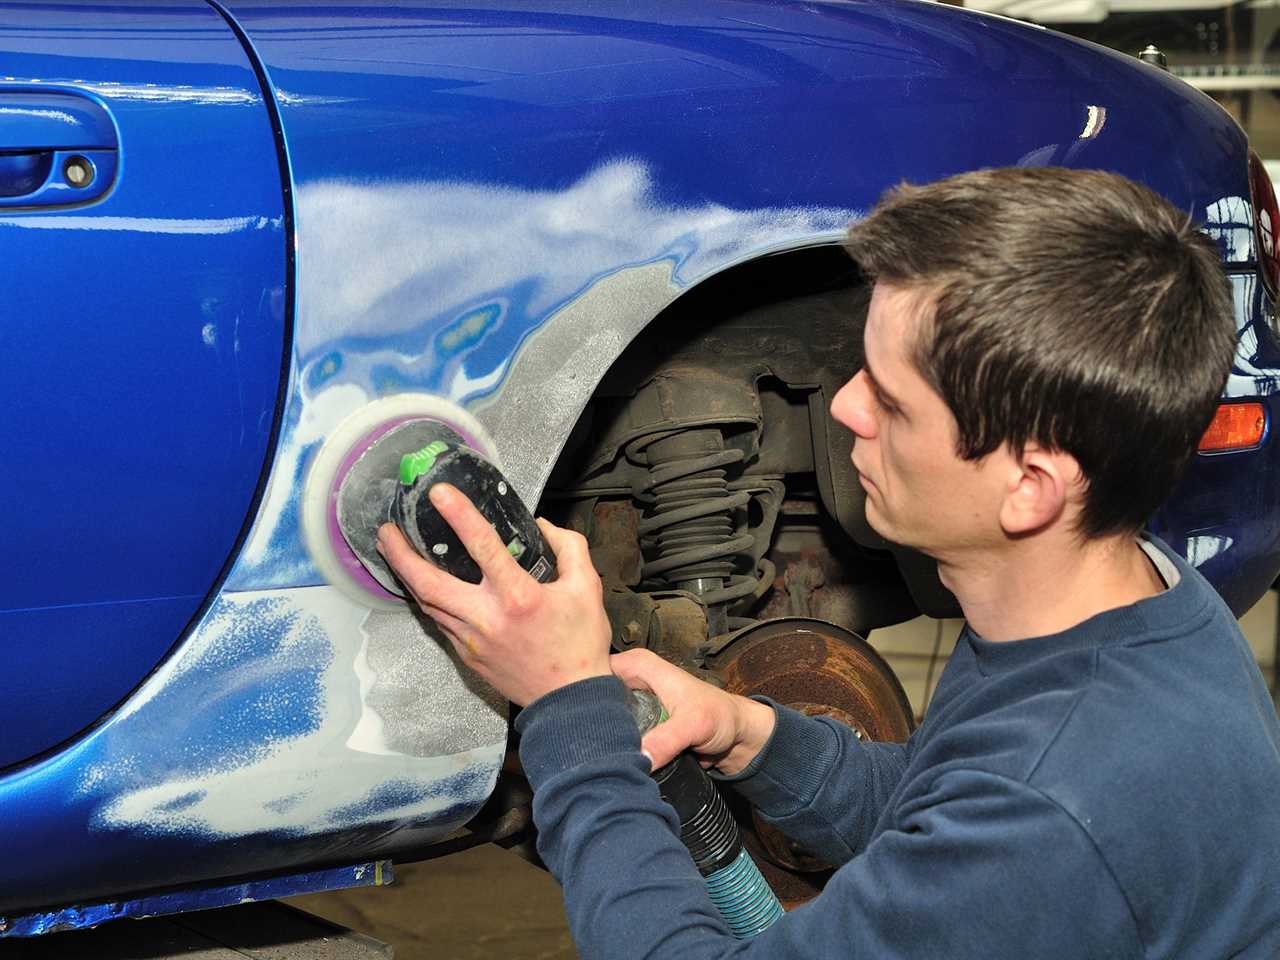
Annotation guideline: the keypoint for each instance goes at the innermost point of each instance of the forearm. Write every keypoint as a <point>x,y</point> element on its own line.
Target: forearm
<point>630,887</point>
<point>631,890</point>
<point>925,889</point>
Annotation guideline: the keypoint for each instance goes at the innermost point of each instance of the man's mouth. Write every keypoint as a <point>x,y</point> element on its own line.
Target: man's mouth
<point>862,477</point>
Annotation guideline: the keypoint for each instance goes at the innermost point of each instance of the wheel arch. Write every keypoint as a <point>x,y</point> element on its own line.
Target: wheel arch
<point>560,367</point>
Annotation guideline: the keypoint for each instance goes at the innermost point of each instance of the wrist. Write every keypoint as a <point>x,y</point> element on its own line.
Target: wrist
<point>755,725</point>
<point>577,723</point>
<point>560,678</point>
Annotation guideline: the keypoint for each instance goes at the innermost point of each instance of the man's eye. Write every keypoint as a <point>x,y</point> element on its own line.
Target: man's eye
<point>885,405</point>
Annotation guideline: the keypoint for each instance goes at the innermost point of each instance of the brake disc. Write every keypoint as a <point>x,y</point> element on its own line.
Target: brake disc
<point>820,669</point>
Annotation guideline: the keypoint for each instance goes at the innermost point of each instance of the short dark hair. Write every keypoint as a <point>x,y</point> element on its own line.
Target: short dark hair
<point>1073,308</point>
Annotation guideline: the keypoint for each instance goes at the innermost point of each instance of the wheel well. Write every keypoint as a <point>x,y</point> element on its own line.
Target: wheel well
<point>751,359</point>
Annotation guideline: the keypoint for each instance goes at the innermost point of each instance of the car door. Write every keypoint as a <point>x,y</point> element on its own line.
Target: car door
<point>143,283</point>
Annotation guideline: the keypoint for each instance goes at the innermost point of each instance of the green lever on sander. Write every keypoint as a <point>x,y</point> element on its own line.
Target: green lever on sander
<point>412,511</point>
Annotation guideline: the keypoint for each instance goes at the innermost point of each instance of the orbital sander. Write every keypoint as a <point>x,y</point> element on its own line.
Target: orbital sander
<point>389,481</point>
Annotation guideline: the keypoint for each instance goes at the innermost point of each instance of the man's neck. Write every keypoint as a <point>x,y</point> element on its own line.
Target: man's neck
<point>1028,589</point>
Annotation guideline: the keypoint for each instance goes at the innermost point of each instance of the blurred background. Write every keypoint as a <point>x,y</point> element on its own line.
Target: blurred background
<point>1230,49</point>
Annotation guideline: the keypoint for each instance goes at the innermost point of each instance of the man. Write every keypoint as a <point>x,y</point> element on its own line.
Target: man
<point>1099,772</point>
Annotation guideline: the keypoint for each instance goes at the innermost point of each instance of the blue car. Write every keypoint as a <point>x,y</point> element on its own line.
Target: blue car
<point>241,241</point>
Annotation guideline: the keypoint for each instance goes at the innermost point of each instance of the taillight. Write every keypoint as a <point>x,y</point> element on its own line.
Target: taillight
<point>1236,426</point>
<point>1266,224</point>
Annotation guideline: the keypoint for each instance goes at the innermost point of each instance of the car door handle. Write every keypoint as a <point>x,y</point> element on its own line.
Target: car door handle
<point>57,147</point>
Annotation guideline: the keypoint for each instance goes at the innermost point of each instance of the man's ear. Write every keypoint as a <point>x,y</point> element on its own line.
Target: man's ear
<point>1039,490</point>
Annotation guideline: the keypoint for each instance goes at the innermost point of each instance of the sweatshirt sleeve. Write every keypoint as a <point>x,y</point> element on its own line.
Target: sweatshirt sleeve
<point>819,784</point>
<point>974,865</point>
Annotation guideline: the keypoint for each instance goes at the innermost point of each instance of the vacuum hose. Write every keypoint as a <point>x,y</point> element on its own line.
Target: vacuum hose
<point>734,883</point>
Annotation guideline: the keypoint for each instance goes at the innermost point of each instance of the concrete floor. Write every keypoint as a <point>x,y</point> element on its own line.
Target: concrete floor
<point>480,904</point>
<point>487,902</point>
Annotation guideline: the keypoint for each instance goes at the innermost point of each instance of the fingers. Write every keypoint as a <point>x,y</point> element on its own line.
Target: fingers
<point>447,622</point>
<point>667,741</point>
<point>431,587</point>
<point>465,646</point>
<point>523,637</point>
<point>427,581</point>
<point>392,544</point>
<point>694,722</point>
<point>478,536</point>
<point>644,668</point>
<point>573,556</point>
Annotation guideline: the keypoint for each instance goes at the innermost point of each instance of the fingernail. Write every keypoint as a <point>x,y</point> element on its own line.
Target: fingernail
<point>648,756</point>
<point>437,493</point>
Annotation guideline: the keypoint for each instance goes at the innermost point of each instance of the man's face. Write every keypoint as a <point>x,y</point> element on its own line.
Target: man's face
<point>920,493</point>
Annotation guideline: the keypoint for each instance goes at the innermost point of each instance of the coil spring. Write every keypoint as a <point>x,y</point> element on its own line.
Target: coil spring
<point>687,532</point>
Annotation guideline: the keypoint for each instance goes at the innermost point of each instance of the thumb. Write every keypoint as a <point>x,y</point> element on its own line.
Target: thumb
<point>666,741</point>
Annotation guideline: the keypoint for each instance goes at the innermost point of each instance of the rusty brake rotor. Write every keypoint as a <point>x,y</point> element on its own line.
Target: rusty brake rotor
<point>818,668</point>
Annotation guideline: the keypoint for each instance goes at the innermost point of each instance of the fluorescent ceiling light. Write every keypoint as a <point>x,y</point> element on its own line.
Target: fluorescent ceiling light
<point>1094,11</point>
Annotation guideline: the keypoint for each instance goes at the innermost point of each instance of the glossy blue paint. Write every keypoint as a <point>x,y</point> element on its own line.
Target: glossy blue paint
<point>205,897</point>
<point>37,118</point>
<point>141,350</point>
<point>855,95</point>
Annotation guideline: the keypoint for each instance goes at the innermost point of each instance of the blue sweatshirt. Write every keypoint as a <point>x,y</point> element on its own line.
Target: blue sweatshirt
<point>1109,791</point>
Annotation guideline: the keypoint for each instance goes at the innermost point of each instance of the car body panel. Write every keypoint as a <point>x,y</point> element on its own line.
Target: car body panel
<point>275,737</point>
<point>141,353</point>
<point>490,202</point>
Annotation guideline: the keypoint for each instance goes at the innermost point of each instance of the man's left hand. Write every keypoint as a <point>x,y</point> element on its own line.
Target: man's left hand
<point>524,637</point>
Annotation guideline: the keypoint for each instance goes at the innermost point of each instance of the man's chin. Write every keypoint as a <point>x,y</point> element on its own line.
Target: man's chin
<point>898,537</point>
<point>877,522</point>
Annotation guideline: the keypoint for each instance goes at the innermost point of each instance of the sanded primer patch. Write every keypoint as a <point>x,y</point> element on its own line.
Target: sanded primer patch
<point>263,723</point>
<point>369,734</point>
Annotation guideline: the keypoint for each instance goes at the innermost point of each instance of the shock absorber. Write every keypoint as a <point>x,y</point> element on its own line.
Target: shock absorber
<point>688,534</point>
<point>734,882</point>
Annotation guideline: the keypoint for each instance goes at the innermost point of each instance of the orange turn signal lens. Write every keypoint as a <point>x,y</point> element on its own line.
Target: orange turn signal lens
<point>1236,426</point>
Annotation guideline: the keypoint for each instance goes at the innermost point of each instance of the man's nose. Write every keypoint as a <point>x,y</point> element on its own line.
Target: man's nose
<point>853,406</point>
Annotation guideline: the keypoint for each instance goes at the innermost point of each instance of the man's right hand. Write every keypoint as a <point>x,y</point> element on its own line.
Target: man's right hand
<point>725,730</point>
